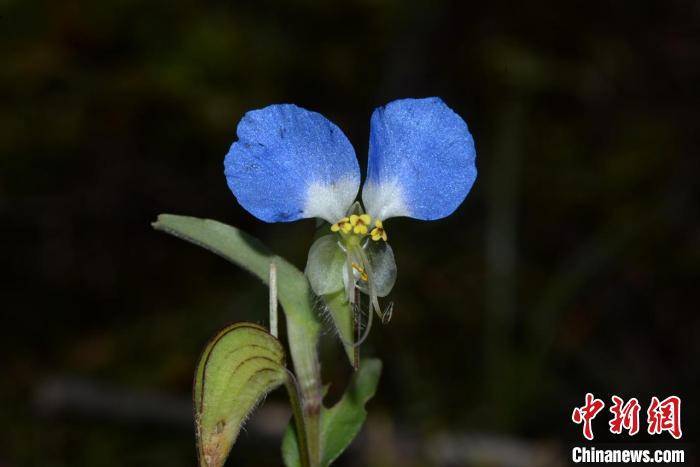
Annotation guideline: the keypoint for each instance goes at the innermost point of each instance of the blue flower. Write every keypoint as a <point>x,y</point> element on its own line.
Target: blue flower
<point>290,163</point>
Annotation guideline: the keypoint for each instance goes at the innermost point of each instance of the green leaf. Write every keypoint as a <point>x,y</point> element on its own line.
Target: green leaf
<point>249,253</point>
<point>238,367</point>
<point>342,422</point>
<point>290,447</point>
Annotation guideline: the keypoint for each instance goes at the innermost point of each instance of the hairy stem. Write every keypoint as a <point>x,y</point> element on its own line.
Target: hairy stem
<point>307,368</point>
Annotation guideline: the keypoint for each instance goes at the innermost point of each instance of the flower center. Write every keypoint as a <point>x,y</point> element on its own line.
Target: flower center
<point>359,225</point>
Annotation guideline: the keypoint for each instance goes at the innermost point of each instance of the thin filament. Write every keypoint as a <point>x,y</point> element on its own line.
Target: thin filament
<point>370,281</point>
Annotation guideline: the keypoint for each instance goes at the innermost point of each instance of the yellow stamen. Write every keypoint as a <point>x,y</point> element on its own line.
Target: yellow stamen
<point>363,274</point>
<point>378,231</point>
<point>342,225</point>
<point>360,223</point>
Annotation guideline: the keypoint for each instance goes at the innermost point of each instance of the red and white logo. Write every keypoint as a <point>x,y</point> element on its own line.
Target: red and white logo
<point>662,416</point>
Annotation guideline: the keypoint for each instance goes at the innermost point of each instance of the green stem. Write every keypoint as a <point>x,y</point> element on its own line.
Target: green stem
<point>307,368</point>
<point>297,411</point>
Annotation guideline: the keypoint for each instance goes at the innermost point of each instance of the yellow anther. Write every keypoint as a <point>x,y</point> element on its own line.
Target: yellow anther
<point>358,268</point>
<point>360,223</point>
<point>360,229</point>
<point>378,231</point>
<point>343,225</point>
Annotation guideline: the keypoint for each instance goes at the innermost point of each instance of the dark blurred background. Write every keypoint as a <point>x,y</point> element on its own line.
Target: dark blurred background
<point>572,266</point>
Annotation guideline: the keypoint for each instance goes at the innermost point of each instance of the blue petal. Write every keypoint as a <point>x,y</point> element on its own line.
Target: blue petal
<point>290,163</point>
<point>421,160</point>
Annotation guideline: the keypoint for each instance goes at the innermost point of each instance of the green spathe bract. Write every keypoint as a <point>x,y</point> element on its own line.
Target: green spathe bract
<point>325,265</point>
<point>237,369</point>
<point>343,317</point>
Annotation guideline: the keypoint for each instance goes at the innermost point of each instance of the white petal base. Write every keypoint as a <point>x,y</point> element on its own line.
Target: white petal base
<point>384,200</point>
<point>330,201</point>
